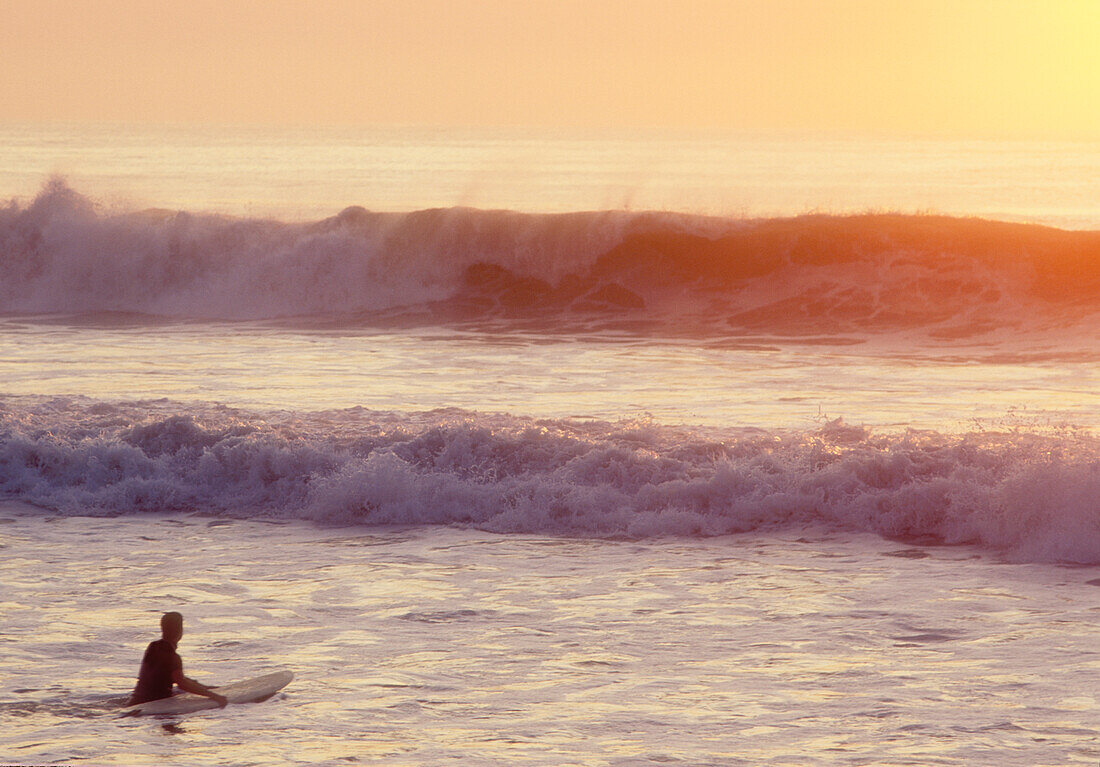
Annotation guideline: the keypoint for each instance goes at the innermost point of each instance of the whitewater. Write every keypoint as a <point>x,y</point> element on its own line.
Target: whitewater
<point>583,469</point>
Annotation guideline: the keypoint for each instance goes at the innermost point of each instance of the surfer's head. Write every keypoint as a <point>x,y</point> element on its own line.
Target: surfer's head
<point>171,626</point>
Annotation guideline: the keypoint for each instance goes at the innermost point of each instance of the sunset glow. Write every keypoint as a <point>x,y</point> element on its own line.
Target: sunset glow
<point>550,382</point>
<point>1012,68</point>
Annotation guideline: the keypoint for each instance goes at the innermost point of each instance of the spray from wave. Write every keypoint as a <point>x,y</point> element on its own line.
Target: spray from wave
<point>1028,495</point>
<point>949,277</point>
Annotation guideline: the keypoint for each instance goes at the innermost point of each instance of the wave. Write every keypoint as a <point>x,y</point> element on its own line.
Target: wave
<point>950,277</point>
<point>1029,495</point>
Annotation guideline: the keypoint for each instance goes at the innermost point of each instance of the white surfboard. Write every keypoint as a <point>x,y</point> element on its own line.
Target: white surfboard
<point>247,691</point>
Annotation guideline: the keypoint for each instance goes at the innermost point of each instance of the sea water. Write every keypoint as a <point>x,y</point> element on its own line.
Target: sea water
<point>530,449</point>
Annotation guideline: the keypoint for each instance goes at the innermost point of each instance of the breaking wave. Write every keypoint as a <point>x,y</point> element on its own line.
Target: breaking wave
<point>950,277</point>
<point>1028,495</point>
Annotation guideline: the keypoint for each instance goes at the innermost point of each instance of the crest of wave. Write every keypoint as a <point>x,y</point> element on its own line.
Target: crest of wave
<point>59,253</point>
<point>808,275</point>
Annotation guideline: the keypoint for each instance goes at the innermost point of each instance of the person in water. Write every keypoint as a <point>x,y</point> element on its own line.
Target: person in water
<point>161,667</point>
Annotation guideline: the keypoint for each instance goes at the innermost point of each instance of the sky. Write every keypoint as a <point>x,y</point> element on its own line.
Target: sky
<point>964,68</point>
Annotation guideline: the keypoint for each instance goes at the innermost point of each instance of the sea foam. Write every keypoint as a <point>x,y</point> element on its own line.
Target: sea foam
<point>1028,495</point>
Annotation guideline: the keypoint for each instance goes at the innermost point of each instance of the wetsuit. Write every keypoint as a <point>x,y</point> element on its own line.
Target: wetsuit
<point>157,667</point>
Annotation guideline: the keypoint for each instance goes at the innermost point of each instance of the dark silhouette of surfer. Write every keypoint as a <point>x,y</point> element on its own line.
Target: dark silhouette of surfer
<point>161,667</point>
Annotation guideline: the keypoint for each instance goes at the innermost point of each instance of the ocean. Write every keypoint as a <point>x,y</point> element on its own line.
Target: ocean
<point>554,449</point>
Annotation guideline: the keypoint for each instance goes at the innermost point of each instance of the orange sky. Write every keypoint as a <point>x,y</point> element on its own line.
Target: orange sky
<point>919,67</point>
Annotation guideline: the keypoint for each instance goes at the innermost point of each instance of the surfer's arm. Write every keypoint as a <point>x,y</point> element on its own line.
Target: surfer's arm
<point>190,685</point>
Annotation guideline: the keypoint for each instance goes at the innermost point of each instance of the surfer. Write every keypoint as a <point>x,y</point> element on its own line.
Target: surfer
<point>161,667</point>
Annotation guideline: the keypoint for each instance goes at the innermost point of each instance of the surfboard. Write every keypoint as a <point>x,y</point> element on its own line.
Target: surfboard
<point>246,691</point>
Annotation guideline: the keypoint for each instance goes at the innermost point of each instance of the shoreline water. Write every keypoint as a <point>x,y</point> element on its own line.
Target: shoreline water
<point>419,645</point>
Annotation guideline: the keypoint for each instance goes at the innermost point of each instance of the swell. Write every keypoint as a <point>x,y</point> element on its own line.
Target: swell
<point>949,277</point>
<point>1030,496</point>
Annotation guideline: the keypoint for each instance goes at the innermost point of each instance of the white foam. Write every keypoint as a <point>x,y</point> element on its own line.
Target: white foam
<point>1031,496</point>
